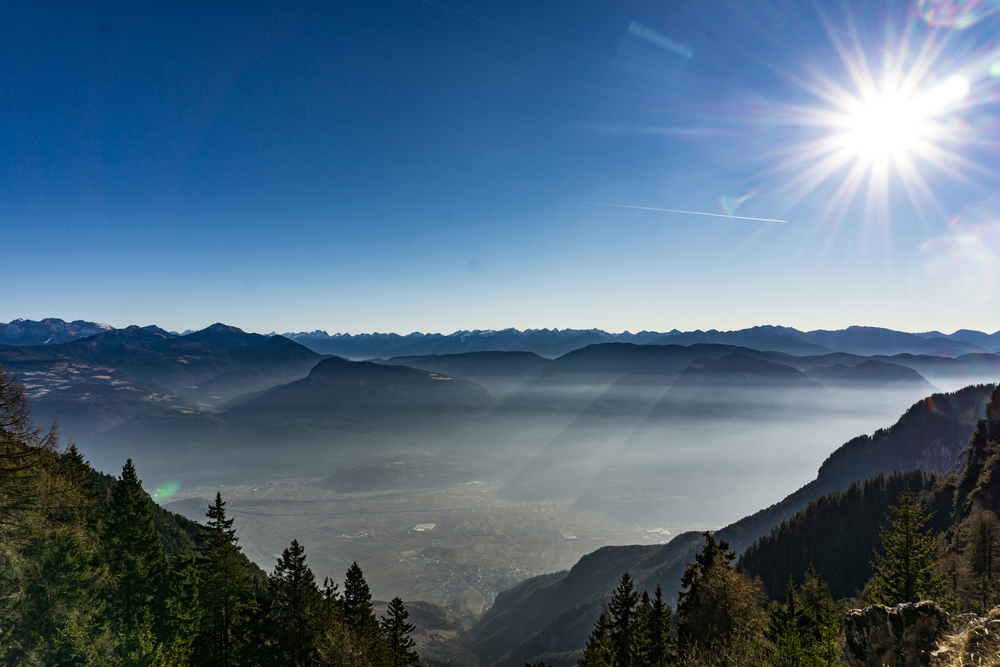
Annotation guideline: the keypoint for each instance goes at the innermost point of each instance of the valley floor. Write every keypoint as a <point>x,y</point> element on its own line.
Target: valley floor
<point>472,544</point>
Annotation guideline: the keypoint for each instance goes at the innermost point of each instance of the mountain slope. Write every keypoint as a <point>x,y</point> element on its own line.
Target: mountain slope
<point>502,373</point>
<point>342,413</point>
<point>100,381</point>
<point>932,433</point>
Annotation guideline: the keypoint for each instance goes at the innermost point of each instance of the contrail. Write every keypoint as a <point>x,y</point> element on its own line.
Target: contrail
<point>673,210</point>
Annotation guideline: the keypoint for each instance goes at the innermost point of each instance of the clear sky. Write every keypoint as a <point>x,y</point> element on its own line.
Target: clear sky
<point>400,165</point>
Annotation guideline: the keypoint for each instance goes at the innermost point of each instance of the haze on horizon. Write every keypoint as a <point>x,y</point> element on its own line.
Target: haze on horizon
<point>413,166</point>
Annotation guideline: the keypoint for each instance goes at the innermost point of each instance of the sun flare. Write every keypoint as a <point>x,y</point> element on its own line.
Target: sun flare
<point>886,123</point>
<point>892,124</point>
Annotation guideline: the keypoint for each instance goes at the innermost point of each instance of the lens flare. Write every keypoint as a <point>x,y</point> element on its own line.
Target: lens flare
<point>958,14</point>
<point>899,120</point>
<point>963,264</point>
<point>165,492</point>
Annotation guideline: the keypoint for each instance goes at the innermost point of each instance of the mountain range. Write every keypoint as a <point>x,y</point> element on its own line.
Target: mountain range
<point>553,343</point>
<point>93,383</point>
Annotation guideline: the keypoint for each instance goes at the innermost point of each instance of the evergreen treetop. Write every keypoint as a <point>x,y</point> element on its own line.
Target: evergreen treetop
<point>906,572</point>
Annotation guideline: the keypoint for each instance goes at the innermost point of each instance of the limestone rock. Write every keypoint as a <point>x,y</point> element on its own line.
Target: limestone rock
<point>901,636</point>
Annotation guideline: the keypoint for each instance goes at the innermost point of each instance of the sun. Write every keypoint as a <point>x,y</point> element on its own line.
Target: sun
<point>893,124</point>
<point>878,123</point>
<point>883,128</point>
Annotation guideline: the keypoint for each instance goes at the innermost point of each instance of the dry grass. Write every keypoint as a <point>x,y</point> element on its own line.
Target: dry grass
<point>971,645</point>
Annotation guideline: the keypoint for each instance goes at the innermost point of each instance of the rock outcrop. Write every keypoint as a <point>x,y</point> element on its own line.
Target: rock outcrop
<point>973,640</point>
<point>901,636</point>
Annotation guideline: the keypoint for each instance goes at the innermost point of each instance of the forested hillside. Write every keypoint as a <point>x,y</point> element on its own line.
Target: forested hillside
<point>92,572</point>
<point>555,612</point>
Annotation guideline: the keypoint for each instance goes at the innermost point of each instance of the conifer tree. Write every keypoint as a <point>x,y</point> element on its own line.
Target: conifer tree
<point>358,615</point>
<point>135,561</point>
<point>982,533</point>
<point>719,605</point>
<point>295,609</point>
<point>227,601</point>
<point>396,630</point>
<point>660,643</point>
<point>786,628</point>
<point>598,652</point>
<point>906,572</point>
<point>625,629</point>
<point>357,597</point>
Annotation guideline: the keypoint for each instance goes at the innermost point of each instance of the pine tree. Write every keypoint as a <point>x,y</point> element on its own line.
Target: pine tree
<point>906,572</point>
<point>295,609</point>
<point>358,615</point>
<point>982,533</point>
<point>786,628</point>
<point>718,606</point>
<point>136,563</point>
<point>396,631</point>
<point>598,652</point>
<point>625,631</point>
<point>227,601</point>
<point>660,643</point>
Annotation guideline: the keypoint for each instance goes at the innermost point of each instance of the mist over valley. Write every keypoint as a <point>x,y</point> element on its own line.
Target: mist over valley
<point>522,463</point>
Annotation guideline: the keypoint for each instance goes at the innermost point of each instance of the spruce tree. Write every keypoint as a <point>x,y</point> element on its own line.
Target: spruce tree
<point>396,630</point>
<point>982,534</point>
<point>719,607</point>
<point>786,625</point>
<point>227,600</point>
<point>597,652</point>
<point>295,609</point>
<point>357,597</point>
<point>136,563</point>
<point>906,572</point>
<point>625,634</point>
<point>358,615</point>
<point>823,620</point>
<point>660,643</point>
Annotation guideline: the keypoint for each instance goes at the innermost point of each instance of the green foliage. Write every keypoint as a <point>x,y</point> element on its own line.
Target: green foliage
<point>227,601</point>
<point>135,560</point>
<point>396,630</point>
<point>626,635</point>
<point>93,573</point>
<point>598,651</point>
<point>907,570</point>
<point>805,630</point>
<point>720,608</point>
<point>633,630</point>
<point>295,608</point>
<point>838,532</point>
<point>661,646</point>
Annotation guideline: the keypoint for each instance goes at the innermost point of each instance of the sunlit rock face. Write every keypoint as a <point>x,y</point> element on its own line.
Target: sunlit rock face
<point>902,636</point>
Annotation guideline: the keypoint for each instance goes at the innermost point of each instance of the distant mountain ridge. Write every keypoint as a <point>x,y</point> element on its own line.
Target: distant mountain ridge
<point>555,342</point>
<point>49,331</point>
<point>552,343</point>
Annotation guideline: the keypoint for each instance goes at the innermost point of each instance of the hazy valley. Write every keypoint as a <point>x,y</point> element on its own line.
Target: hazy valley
<point>523,463</point>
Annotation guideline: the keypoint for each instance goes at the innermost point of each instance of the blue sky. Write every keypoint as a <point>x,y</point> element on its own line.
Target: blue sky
<point>406,165</point>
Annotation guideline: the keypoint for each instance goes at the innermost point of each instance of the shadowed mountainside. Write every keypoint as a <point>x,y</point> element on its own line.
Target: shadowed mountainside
<point>502,373</point>
<point>341,410</point>
<point>931,435</point>
<point>95,383</point>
